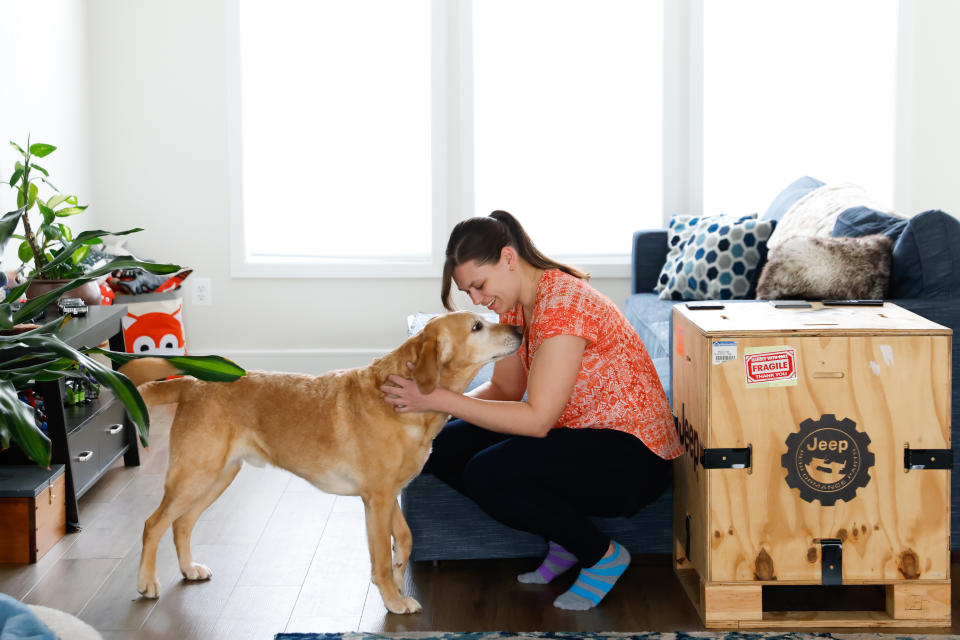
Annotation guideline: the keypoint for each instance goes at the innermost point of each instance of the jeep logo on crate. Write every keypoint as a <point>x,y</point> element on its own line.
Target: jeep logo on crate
<point>827,460</point>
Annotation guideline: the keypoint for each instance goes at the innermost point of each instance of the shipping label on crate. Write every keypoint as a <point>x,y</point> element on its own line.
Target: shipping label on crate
<point>770,367</point>
<point>724,351</point>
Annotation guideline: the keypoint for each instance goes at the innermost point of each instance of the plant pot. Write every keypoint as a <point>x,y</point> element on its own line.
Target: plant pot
<point>88,292</point>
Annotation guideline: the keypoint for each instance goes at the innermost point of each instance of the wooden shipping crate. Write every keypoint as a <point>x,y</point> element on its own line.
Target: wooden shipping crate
<point>825,433</point>
<point>33,514</point>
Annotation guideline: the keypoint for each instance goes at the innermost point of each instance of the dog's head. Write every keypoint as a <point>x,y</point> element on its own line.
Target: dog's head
<point>454,346</point>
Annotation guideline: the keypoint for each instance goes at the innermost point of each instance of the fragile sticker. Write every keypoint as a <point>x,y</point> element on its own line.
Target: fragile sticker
<point>770,366</point>
<point>724,351</point>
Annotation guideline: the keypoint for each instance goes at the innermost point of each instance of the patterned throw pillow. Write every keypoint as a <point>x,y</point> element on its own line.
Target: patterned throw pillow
<point>678,232</point>
<point>719,259</point>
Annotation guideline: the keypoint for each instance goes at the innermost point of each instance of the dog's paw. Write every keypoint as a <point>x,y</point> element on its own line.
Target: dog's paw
<point>196,571</point>
<point>405,605</point>
<point>149,588</point>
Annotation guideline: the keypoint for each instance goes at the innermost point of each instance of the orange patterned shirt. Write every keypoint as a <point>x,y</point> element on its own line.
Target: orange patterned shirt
<point>617,386</point>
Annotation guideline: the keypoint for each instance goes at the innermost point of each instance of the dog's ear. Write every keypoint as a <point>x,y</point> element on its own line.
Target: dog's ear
<point>427,366</point>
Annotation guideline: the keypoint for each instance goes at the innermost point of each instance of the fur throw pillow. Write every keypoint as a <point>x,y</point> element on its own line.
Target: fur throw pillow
<point>814,268</point>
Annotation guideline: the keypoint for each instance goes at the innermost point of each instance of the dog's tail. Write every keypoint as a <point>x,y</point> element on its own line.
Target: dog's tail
<point>148,375</point>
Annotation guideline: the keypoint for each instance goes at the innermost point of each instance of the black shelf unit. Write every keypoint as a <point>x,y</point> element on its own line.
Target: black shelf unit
<point>88,439</point>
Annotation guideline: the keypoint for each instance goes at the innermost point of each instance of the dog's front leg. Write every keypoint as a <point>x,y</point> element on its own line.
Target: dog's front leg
<point>402,544</point>
<point>379,514</point>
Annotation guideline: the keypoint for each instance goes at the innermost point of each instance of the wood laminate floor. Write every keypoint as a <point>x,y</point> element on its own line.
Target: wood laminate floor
<point>287,557</point>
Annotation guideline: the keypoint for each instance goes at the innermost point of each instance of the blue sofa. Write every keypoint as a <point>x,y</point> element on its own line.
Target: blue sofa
<point>926,267</point>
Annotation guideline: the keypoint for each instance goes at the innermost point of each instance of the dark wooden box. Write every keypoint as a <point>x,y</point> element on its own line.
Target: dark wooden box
<point>33,514</point>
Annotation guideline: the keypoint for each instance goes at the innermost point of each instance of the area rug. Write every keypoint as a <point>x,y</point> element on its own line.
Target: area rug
<point>600,635</point>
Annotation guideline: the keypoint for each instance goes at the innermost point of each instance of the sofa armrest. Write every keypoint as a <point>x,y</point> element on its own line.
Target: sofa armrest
<point>649,253</point>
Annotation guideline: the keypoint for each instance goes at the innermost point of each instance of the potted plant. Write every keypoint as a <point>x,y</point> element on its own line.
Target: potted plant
<point>35,354</point>
<point>49,247</point>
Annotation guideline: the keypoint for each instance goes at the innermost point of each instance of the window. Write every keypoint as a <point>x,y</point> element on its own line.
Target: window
<point>567,110</point>
<point>335,134</point>
<point>793,88</point>
<point>363,130</point>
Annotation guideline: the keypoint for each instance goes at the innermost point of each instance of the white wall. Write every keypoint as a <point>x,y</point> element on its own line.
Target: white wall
<point>44,92</point>
<point>157,96</point>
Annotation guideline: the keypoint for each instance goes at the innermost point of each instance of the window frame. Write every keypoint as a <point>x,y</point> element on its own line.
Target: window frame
<point>452,146</point>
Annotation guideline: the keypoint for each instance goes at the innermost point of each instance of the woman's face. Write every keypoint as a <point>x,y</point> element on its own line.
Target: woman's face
<point>495,286</point>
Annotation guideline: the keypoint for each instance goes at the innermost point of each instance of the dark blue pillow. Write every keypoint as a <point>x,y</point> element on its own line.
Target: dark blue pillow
<point>786,199</point>
<point>864,221</point>
<point>926,262</point>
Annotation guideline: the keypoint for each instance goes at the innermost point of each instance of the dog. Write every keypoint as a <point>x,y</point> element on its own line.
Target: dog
<point>334,430</point>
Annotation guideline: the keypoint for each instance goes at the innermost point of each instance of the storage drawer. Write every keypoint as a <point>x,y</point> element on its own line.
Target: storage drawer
<point>95,445</point>
<point>113,437</point>
<point>83,448</point>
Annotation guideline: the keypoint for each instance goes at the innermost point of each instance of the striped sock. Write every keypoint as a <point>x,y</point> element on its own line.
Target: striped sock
<point>595,582</point>
<point>557,561</point>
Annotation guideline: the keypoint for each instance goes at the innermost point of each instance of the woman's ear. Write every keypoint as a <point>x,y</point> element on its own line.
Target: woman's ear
<point>509,255</point>
<point>427,366</point>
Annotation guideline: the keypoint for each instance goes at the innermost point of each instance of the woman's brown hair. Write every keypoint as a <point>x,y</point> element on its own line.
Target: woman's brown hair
<point>483,238</point>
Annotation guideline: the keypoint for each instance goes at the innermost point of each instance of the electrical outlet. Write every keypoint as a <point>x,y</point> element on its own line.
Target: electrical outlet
<point>202,291</point>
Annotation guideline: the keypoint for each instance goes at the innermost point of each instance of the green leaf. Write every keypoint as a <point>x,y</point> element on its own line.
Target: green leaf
<point>122,387</point>
<point>71,199</point>
<point>24,252</point>
<point>208,368</point>
<point>17,147</point>
<point>33,196</point>
<point>40,169</point>
<point>50,184</point>
<point>80,254</point>
<point>57,200</point>
<point>70,211</point>
<point>17,423</point>
<point>41,149</point>
<point>8,224</point>
<point>93,241</point>
<point>48,213</point>
<point>65,233</point>
<point>16,176</point>
<point>81,239</point>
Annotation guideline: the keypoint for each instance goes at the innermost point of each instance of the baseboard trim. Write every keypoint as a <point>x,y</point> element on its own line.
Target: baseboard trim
<point>310,361</point>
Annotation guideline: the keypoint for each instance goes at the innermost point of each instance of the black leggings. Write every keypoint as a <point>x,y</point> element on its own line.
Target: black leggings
<point>550,486</point>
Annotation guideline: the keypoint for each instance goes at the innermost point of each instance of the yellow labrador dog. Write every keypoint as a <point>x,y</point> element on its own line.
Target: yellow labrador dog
<point>334,430</point>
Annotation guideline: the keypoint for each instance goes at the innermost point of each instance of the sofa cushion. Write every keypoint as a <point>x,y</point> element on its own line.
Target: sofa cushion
<point>864,221</point>
<point>679,230</point>
<point>720,259</point>
<point>925,258</point>
<point>816,213</point>
<point>650,317</point>
<point>786,198</point>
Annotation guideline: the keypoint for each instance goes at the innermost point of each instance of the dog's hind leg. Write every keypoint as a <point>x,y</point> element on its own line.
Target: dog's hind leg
<point>379,514</point>
<point>183,526</point>
<point>185,485</point>
<point>402,544</point>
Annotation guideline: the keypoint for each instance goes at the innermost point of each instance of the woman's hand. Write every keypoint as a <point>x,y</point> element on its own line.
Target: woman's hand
<point>404,395</point>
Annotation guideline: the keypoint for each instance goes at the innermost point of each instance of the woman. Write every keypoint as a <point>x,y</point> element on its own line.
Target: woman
<point>594,433</point>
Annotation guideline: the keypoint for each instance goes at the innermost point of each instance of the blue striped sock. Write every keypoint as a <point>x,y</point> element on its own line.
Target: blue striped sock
<point>595,582</point>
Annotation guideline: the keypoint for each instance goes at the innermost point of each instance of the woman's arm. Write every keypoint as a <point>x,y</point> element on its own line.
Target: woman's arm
<point>553,375</point>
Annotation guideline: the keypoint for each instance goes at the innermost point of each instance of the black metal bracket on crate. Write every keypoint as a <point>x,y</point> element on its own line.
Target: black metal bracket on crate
<point>927,458</point>
<point>726,458</point>
<point>831,561</point>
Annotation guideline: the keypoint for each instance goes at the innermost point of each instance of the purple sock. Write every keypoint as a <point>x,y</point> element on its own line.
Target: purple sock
<point>557,561</point>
